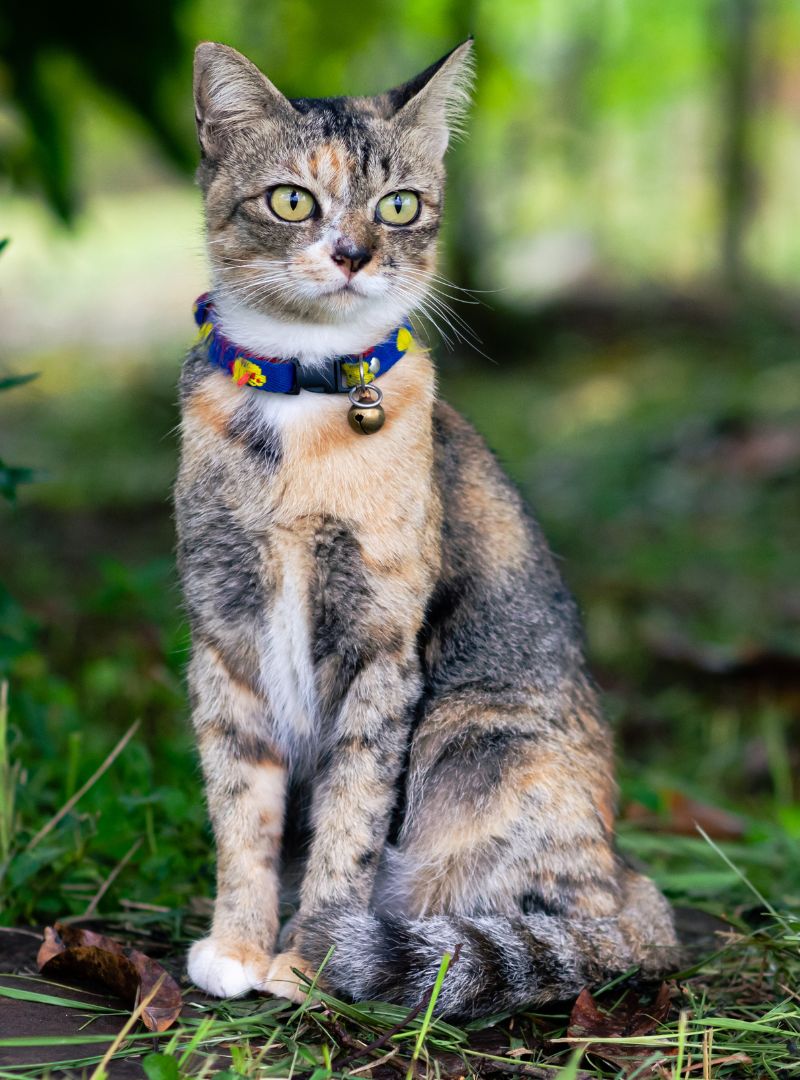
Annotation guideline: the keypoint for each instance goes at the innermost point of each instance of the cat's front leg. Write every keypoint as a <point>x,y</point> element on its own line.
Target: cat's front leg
<point>245,789</point>
<point>353,801</point>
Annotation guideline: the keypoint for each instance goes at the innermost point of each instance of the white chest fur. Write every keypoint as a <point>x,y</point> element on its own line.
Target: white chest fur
<point>287,666</point>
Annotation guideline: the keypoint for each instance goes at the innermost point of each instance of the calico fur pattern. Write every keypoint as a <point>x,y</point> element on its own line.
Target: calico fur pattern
<point>398,734</point>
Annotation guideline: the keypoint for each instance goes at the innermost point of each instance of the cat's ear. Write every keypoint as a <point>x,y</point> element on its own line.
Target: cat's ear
<point>435,101</point>
<point>230,92</point>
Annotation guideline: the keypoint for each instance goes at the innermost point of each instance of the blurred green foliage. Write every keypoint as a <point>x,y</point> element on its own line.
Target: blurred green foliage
<point>50,49</point>
<point>11,476</point>
<point>626,195</point>
<point>696,98</point>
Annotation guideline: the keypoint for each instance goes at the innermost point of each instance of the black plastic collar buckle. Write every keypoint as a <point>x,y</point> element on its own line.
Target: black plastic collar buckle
<point>319,379</point>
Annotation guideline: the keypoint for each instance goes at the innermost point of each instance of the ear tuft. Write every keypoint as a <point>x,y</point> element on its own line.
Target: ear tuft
<point>437,99</point>
<point>229,93</point>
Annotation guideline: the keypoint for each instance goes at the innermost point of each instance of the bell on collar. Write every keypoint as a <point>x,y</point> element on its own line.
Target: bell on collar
<point>366,412</point>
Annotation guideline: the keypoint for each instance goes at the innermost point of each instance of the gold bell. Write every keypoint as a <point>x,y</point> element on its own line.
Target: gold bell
<point>366,412</point>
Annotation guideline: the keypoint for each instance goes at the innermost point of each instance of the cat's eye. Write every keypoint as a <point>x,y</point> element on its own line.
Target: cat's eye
<point>399,208</point>
<point>291,203</point>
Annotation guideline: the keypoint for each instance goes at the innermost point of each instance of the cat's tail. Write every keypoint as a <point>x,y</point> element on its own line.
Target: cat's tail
<point>502,961</point>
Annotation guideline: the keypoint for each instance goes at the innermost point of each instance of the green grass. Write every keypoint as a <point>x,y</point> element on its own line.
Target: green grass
<point>665,481</point>
<point>325,1037</point>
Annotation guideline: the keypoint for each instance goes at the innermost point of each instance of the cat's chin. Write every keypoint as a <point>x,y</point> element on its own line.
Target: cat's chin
<point>325,330</point>
<point>341,306</point>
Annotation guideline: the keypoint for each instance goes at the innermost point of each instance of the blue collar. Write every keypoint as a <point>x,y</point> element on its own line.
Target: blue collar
<point>337,375</point>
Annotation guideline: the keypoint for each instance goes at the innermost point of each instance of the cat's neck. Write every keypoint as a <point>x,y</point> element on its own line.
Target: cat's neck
<point>308,342</point>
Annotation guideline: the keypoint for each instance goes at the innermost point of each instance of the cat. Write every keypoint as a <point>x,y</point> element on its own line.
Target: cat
<point>397,730</point>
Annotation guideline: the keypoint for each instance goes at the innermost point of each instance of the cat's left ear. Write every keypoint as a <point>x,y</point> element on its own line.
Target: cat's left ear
<point>435,102</point>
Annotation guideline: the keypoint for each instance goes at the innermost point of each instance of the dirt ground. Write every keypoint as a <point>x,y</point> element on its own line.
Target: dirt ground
<point>18,949</point>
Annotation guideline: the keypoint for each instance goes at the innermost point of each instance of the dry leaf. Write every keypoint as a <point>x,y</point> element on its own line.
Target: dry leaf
<point>761,453</point>
<point>683,815</point>
<point>72,953</point>
<point>629,1020</point>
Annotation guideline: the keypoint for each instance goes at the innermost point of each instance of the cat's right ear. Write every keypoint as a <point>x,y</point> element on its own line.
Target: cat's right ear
<point>434,102</point>
<point>229,93</point>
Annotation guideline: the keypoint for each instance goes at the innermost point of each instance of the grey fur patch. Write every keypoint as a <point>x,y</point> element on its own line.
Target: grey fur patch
<point>219,564</point>
<point>503,963</point>
<point>260,440</point>
<point>195,371</point>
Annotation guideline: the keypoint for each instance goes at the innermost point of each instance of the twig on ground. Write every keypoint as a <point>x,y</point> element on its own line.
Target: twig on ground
<point>98,896</point>
<point>140,905</point>
<point>378,1044</point>
<point>16,930</point>
<point>731,1059</point>
<point>378,1061</point>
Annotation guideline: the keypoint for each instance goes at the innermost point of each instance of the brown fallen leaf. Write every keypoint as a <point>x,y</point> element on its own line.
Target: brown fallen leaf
<point>73,953</point>
<point>628,1020</point>
<point>761,453</point>
<point>682,815</point>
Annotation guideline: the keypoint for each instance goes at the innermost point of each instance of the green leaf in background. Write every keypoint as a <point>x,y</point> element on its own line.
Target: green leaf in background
<point>10,479</point>
<point>9,381</point>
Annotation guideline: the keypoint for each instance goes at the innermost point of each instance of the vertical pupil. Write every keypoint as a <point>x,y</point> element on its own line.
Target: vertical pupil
<point>294,199</point>
<point>398,203</point>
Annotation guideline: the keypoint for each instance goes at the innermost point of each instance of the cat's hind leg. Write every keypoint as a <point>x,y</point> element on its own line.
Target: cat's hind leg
<point>507,851</point>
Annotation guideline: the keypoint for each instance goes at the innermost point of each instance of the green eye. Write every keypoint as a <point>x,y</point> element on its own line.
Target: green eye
<point>291,203</point>
<point>399,208</point>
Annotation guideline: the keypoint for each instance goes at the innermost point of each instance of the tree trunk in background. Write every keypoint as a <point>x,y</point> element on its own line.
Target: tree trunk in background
<point>735,27</point>
<point>465,236</point>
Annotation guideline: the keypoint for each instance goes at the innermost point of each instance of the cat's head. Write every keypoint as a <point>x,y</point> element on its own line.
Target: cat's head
<point>323,210</point>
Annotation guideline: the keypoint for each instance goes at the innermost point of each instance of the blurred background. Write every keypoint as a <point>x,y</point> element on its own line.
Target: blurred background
<point>625,209</point>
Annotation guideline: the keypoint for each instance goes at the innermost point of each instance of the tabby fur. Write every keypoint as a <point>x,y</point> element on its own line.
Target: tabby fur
<point>399,738</point>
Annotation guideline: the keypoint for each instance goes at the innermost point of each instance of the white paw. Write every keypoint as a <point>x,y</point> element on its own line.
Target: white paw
<point>226,970</point>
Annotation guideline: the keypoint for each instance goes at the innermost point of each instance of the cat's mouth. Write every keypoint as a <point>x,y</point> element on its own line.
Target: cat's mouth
<point>351,288</point>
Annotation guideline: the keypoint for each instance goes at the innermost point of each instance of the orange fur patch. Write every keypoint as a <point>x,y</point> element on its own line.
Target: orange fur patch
<point>208,413</point>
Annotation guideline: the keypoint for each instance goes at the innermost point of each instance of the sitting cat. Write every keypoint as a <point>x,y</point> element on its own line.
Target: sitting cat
<point>387,679</point>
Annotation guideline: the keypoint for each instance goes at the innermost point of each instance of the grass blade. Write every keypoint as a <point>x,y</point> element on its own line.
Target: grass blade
<point>51,999</point>
<point>68,805</point>
<point>426,1020</point>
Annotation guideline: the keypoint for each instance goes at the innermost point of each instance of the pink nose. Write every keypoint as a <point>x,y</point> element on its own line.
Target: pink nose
<point>349,257</point>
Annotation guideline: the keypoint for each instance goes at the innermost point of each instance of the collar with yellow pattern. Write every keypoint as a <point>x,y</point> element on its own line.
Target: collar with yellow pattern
<point>336,375</point>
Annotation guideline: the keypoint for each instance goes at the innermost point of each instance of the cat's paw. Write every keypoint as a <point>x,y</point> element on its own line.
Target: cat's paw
<point>226,969</point>
<point>282,981</point>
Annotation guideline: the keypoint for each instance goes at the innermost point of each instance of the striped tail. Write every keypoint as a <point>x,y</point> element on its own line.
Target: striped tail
<point>503,962</point>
